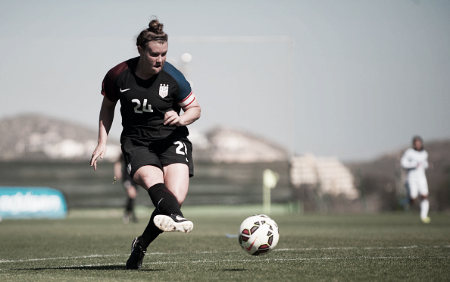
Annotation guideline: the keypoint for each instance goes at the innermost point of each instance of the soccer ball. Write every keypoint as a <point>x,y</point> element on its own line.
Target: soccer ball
<point>258,234</point>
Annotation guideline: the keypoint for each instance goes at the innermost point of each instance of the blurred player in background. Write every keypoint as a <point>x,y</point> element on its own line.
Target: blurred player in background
<point>120,173</point>
<point>154,140</point>
<point>415,161</point>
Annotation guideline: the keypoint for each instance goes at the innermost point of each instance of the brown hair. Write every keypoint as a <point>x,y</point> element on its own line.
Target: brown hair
<point>154,32</point>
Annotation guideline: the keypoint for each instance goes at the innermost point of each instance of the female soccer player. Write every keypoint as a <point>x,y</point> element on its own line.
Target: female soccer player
<point>154,140</point>
<point>415,161</point>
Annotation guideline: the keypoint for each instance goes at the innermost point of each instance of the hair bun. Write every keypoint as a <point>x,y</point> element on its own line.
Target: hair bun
<point>155,26</point>
<point>154,32</point>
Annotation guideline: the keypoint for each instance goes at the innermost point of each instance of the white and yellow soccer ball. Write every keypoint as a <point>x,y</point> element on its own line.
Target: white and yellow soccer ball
<point>258,234</point>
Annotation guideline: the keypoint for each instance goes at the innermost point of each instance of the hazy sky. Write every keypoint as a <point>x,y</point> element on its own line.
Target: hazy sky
<point>350,78</point>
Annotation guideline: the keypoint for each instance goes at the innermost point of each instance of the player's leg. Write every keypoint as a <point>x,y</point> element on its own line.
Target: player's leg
<point>413,190</point>
<point>151,232</point>
<point>146,170</point>
<point>424,207</point>
<point>132,193</point>
<point>129,205</point>
<point>146,176</point>
<point>424,204</point>
<point>165,202</point>
<point>152,179</point>
<point>176,178</point>
<point>177,167</point>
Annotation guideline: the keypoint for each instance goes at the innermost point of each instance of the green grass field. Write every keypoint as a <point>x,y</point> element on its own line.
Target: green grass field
<point>93,245</point>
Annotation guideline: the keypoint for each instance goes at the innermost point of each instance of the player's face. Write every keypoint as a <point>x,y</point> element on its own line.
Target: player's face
<point>417,145</point>
<point>153,56</point>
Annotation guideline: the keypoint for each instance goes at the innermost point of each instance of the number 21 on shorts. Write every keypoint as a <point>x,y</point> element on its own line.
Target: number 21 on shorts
<point>181,149</point>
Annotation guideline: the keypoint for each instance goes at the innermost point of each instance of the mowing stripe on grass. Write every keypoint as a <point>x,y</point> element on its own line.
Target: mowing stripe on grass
<point>208,252</point>
<point>268,260</point>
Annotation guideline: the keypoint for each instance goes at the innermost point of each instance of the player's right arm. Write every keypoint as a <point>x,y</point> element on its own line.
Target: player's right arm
<point>105,121</point>
<point>407,161</point>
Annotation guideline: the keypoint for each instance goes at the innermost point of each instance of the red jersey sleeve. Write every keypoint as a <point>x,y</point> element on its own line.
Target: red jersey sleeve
<point>109,85</point>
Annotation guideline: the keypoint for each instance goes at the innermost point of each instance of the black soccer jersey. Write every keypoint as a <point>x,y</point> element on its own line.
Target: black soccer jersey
<point>144,102</point>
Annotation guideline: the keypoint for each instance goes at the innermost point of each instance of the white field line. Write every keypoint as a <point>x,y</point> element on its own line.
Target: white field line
<point>59,258</point>
<point>363,248</point>
<point>210,252</point>
<point>345,248</point>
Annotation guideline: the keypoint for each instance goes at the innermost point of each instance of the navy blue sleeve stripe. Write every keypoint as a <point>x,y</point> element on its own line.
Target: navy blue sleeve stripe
<point>183,84</point>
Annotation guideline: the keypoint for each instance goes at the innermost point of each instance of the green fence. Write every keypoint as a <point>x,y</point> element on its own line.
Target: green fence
<point>214,184</point>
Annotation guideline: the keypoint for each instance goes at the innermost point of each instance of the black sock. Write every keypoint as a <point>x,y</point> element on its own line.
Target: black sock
<point>164,200</point>
<point>165,203</point>
<point>150,232</point>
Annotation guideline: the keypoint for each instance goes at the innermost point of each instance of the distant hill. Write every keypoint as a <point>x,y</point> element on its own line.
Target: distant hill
<point>36,137</point>
<point>229,145</point>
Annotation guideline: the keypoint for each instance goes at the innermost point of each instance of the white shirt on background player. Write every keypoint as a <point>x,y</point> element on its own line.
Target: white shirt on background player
<point>415,162</point>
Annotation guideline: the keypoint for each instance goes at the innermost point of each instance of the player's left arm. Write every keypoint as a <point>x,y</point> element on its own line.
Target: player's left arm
<point>192,112</point>
<point>186,100</point>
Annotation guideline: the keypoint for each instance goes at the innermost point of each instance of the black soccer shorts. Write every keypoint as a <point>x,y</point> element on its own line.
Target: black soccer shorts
<point>158,153</point>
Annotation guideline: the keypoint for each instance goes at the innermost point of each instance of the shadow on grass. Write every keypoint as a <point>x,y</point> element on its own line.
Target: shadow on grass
<point>234,269</point>
<point>91,267</point>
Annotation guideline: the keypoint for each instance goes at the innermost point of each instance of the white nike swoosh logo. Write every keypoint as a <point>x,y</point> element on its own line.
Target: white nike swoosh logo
<point>180,218</point>
<point>124,90</point>
<point>157,206</point>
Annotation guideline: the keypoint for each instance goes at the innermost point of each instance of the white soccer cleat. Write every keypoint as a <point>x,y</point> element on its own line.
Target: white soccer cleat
<point>174,222</point>
<point>426,220</point>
